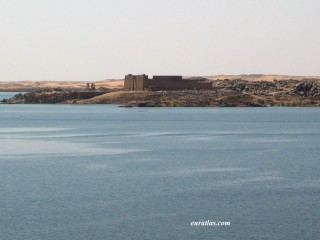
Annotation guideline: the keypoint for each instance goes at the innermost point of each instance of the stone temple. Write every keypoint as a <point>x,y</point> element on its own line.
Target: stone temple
<point>157,83</point>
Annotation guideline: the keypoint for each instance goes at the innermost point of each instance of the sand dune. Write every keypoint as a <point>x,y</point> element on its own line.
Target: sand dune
<point>34,85</point>
<point>118,83</point>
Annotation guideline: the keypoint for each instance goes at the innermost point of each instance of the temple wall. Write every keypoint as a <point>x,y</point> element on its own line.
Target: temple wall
<point>135,82</point>
<point>141,82</point>
<point>167,84</point>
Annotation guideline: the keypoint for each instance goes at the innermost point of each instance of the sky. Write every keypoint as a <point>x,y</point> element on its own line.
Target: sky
<point>89,40</point>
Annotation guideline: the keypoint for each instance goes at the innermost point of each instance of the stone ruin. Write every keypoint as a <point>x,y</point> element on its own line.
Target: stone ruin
<point>144,83</point>
<point>91,86</point>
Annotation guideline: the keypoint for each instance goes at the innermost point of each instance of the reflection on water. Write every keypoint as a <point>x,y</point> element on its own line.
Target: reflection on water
<point>103,172</point>
<point>13,147</point>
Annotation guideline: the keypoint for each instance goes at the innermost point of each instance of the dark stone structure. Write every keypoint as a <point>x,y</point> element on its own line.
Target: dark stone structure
<point>136,82</point>
<point>143,83</point>
<point>93,86</point>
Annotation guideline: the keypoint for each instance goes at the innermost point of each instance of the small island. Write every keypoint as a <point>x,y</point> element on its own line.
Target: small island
<point>178,91</point>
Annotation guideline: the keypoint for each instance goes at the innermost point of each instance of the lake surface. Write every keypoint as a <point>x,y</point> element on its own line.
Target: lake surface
<point>7,95</point>
<point>104,172</point>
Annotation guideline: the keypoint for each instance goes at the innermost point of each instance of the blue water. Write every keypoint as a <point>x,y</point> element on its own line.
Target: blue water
<point>103,172</point>
<point>6,95</point>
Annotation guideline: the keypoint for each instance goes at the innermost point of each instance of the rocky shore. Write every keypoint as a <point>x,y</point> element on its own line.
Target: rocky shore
<point>53,96</point>
<point>231,93</point>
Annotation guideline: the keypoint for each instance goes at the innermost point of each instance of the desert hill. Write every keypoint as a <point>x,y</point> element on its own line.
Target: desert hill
<point>26,86</point>
<point>261,77</point>
<point>224,93</point>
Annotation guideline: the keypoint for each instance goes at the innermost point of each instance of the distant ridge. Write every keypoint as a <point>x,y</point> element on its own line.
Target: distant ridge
<point>262,77</point>
<point>25,86</point>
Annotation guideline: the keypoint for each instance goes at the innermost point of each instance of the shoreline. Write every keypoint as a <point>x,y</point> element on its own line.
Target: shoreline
<point>224,93</point>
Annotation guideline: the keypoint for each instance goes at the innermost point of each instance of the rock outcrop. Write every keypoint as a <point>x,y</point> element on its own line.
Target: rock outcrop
<point>307,89</point>
<point>53,95</point>
<point>224,93</point>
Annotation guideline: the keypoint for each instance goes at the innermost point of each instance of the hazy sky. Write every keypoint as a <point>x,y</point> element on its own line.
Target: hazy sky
<point>100,39</point>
